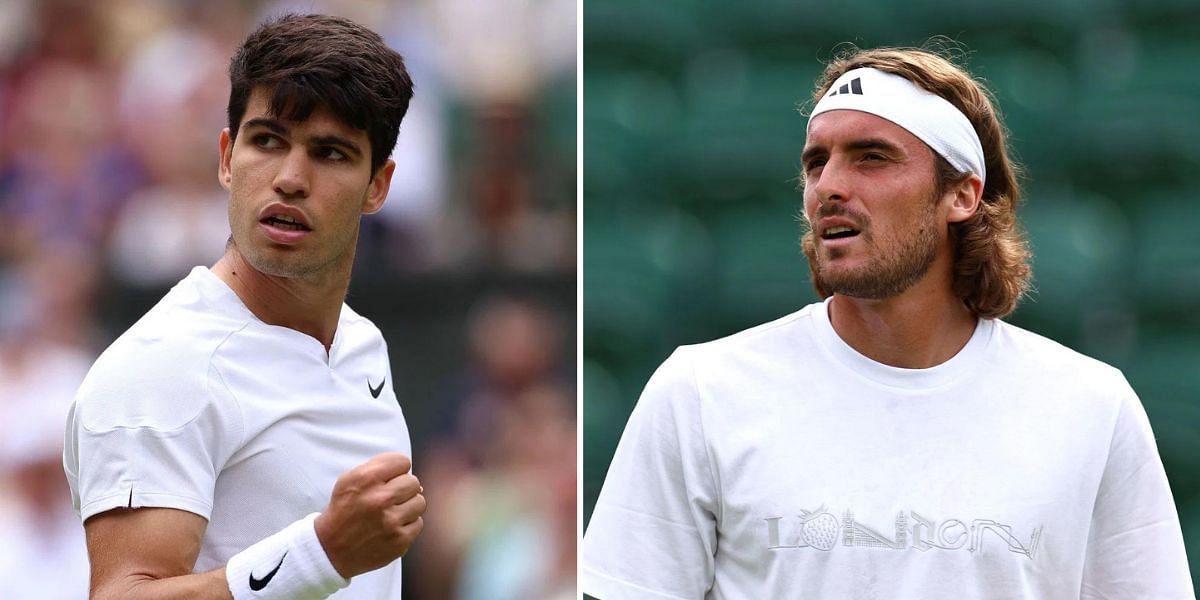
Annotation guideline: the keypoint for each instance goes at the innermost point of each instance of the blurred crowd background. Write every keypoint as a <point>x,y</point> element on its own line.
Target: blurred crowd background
<point>109,116</point>
<point>692,141</point>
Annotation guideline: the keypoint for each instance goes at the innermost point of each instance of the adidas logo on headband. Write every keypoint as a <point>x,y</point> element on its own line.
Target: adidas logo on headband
<point>854,87</point>
<point>933,119</point>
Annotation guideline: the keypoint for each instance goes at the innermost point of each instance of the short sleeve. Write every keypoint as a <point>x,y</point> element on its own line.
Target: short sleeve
<point>1135,545</point>
<point>653,531</point>
<point>144,435</point>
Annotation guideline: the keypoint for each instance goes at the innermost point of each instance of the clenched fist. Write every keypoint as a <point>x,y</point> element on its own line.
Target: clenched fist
<point>374,514</point>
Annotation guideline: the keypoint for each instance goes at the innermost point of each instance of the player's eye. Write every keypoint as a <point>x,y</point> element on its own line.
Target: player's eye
<point>267,141</point>
<point>331,153</point>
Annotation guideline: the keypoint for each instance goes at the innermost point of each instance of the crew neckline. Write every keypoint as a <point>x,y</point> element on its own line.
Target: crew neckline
<point>216,289</point>
<point>946,373</point>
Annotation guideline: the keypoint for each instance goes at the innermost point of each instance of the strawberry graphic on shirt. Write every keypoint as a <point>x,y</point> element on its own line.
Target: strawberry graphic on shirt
<point>819,528</point>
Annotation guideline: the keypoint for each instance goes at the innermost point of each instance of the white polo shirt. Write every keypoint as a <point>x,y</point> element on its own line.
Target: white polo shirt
<point>202,407</point>
<point>781,463</point>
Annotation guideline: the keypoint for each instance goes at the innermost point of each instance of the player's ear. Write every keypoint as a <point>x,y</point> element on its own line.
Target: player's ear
<point>966,196</point>
<point>381,182</point>
<point>225,146</point>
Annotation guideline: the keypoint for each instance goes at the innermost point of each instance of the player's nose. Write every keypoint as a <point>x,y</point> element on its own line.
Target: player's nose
<point>293,177</point>
<point>834,183</point>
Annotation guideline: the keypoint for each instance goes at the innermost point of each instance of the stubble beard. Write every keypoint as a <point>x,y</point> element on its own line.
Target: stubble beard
<point>889,271</point>
<point>277,266</point>
<point>294,263</point>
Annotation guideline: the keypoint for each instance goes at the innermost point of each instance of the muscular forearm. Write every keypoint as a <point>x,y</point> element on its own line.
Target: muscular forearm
<point>195,586</point>
<point>148,553</point>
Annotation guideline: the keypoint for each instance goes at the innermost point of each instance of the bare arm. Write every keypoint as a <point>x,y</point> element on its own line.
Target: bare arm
<point>373,517</point>
<point>149,553</point>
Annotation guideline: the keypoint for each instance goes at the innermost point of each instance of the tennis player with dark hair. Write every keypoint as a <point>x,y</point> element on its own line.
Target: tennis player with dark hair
<point>242,440</point>
<point>897,440</point>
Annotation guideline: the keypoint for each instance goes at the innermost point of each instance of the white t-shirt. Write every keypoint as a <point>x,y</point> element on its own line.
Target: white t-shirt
<point>202,407</point>
<point>781,463</point>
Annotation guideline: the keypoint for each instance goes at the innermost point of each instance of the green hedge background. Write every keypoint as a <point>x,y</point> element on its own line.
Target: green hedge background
<point>691,150</point>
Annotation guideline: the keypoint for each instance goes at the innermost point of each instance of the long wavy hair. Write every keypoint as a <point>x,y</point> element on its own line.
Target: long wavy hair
<point>991,253</point>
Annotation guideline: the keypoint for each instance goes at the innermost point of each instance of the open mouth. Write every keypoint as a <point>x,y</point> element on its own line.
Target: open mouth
<point>286,223</point>
<point>837,233</point>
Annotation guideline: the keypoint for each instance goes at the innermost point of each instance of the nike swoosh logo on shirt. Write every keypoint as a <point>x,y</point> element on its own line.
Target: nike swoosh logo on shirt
<point>375,390</point>
<point>258,584</point>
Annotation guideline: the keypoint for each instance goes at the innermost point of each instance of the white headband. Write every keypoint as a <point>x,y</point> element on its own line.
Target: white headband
<point>928,116</point>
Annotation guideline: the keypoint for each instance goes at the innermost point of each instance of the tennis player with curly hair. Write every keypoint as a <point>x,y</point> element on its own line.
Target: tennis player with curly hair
<point>898,439</point>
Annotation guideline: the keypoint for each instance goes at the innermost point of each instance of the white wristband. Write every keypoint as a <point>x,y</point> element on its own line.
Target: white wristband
<point>290,564</point>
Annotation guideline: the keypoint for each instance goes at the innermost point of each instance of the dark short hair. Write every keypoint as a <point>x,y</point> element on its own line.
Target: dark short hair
<point>320,61</point>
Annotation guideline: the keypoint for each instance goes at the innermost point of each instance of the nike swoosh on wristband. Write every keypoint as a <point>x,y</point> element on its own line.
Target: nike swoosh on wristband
<point>258,584</point>
<point>375,390</point>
